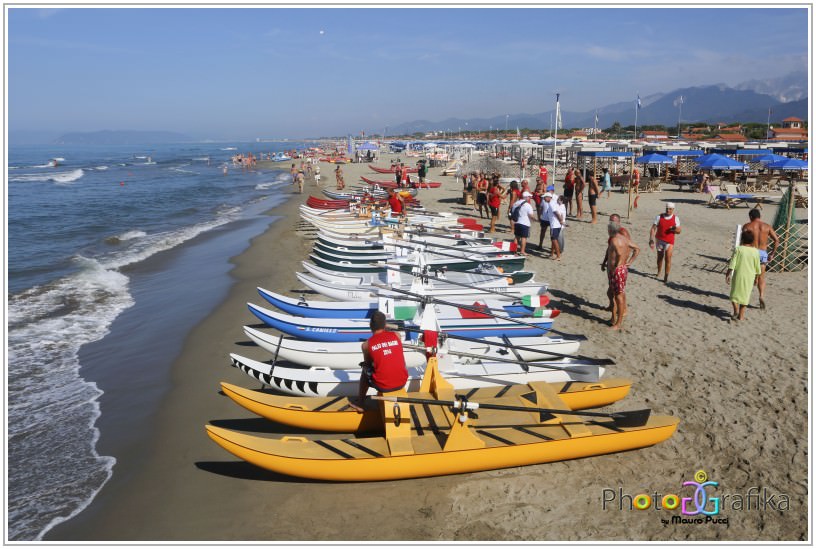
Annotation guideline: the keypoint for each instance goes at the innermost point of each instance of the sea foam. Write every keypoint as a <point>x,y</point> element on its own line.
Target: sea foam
<point>58,177</point>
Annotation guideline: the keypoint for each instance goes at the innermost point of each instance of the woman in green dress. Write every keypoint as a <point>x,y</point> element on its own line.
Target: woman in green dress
<point>743,273</point>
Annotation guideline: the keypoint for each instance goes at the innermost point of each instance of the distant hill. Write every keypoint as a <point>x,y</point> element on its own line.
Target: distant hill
<point>109,137</point>
<point>712,104</point>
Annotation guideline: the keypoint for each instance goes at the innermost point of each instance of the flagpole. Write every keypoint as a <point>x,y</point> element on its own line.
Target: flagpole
<point>679,115</point>
<point>768,130</point>
<point>637,107</point>
<point>595,126</point>
<point>555,140</point>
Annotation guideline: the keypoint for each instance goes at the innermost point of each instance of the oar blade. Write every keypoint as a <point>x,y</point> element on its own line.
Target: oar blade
<point>591,372</point>
<point>633,418</point>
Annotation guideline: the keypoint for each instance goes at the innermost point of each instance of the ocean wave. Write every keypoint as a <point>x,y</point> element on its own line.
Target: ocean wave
<point>124,237</point>
<point>101,168</point>
<point>230,149</point>
<point>50,405</point>
<point>52,411</point>
<point>59,177</point>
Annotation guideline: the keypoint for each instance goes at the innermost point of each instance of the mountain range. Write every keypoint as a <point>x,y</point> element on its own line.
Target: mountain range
<point>109,137</point>
<point>746,102</point>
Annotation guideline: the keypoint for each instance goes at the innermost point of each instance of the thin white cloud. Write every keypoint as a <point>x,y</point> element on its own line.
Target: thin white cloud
<point>607,54</point>
<point>45,13</point>
<point>50,43</point>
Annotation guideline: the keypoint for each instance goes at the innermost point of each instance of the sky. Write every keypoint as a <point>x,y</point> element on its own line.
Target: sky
<point>231,73</point>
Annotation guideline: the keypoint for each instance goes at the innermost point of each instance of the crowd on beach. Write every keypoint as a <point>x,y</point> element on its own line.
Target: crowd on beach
<point>524,205</point>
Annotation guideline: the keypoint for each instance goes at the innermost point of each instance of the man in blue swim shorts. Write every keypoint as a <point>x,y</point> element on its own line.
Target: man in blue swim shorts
<point>762,234</point>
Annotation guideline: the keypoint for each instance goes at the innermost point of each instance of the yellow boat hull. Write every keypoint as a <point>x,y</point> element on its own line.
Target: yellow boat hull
<point>332,414</point>
<point>368,459</point>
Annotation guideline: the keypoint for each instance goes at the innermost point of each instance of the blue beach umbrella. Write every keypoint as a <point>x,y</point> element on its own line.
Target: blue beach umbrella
<point>367,147</point>
<point>706,157</point>
<point>772,157</point>
<point>655,158</point>
<point>788,164</point>
<point>720,162</point>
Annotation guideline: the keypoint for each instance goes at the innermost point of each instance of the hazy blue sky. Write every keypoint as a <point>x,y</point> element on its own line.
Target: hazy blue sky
<point>233,73</point>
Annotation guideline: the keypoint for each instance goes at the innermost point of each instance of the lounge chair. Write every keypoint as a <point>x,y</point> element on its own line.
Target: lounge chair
<point>717,199</point>
<point>728,199</point>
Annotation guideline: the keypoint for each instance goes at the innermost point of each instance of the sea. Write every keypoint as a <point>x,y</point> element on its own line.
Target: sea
<point>78,233</point>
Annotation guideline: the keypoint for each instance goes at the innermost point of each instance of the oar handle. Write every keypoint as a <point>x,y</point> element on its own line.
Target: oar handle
<point>473,309</point>
<point>578,369</point>
<point>462,403</point>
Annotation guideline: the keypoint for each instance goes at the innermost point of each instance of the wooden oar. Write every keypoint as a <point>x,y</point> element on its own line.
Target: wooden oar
<point>456,248</point>
<point>586,369</point>
<point>464,255</point>
<point>455,283</point>
<point>633,418</point>
<point>431,299</point>
<point>600,361</point>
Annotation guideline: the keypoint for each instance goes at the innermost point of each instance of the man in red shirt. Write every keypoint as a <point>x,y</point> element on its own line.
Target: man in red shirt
<point>383,362</point>
<point>494,199</point>
<point>396,203</point>
<point>543,174</point>
<point>665,226</point>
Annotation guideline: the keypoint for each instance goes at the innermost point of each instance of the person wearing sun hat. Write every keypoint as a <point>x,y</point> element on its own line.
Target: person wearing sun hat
<point>661,237</point>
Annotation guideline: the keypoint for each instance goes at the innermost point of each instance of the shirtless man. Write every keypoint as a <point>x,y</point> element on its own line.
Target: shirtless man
<point>620,253</point>
<point>762,232</point>
<point>592,195</point>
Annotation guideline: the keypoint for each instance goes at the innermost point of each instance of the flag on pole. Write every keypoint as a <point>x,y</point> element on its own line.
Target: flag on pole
<point>678,101</point>
<point>638,102</point>
<point>596,118</point>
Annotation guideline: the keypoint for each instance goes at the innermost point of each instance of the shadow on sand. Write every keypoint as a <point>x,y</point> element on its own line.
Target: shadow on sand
<point>572,304</point>
<point>716,312</point>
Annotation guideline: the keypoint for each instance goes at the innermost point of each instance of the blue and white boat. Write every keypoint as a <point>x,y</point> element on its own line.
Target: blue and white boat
<point>397,309</point>
<point>338,330</point>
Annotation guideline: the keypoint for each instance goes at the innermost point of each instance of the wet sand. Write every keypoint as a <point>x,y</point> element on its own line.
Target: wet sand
<point>740,390</point>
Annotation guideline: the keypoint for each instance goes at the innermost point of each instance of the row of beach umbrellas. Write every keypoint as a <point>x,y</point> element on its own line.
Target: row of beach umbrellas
<point>715,161</point>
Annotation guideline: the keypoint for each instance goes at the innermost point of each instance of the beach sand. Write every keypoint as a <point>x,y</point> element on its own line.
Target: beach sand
<point>740,390</point>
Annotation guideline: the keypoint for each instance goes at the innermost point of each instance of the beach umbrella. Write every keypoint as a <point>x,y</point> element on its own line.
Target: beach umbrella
<point>788,164</point>
<point>720,162</point>
<point>706,157</point>
<point>368,147</point>
<point>771,157</point>
<point>655,158</point>
<point>430,145</point>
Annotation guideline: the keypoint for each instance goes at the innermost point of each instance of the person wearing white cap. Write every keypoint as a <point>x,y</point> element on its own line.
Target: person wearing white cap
<point>661,236</point>
<point>521,213</point>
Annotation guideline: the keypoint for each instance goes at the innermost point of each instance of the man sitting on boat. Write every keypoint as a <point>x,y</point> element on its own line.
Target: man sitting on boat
<point>383,362</point>
<point>397,203</point>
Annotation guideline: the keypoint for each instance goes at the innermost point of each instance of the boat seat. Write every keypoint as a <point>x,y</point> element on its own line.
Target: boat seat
<point>547,398</point>
<point>397,421</point>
